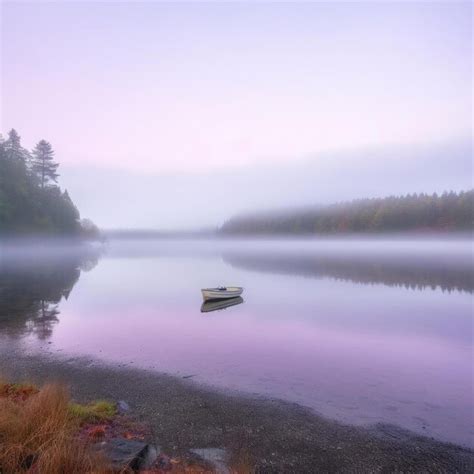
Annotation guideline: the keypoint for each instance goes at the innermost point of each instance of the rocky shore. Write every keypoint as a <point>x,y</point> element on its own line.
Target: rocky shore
<point>232,432</point>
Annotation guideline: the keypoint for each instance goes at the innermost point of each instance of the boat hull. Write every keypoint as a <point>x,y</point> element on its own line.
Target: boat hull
<point>216,294</point>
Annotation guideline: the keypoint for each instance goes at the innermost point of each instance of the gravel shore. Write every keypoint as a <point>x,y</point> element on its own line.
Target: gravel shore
<point>265,434</point>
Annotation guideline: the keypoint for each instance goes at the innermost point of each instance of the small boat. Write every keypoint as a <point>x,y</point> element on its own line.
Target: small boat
<point>221,292</point>
<point>214,305</point>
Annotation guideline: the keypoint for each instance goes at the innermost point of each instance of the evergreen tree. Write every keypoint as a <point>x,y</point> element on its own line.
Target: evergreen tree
<point>17,203</point>
<point>29,204</point>
<point>43,164</point>
<point>13,143</point>
<point>14,150</point>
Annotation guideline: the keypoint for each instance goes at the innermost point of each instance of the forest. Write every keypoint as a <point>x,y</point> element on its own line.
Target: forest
<point>31,202</point>
<point>449,211</point>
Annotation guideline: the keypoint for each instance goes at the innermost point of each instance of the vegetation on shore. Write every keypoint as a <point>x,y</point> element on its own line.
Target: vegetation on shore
<point>412,213</point>
<point>39,431</point>
<point>43,431</point>
<point>31,202</point>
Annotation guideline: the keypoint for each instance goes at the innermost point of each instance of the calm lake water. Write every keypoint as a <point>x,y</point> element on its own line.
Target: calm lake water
<point>360,331</point>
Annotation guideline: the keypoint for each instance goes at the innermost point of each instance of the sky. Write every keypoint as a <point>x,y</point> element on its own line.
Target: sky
<point>177,115</point>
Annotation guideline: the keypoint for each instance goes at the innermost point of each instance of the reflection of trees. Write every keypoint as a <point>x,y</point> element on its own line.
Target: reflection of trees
<point>46,318</point>
<point>410,271</point>
<point>33,284</point>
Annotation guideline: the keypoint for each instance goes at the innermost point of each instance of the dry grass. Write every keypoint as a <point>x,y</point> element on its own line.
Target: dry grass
<point>241,459</point>
<point>243,466</point>
<point>38,433</point>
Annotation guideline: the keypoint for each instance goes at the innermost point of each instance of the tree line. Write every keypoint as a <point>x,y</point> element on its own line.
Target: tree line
<point>449,211</point>
<point>31,202</point>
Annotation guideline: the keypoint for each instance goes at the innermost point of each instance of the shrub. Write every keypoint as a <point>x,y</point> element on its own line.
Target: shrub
<point>39,432</point>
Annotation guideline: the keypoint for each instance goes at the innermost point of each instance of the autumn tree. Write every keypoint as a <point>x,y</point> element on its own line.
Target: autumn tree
<point>422,212</point>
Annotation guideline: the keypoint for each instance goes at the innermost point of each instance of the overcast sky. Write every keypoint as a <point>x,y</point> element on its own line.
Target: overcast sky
<point>181,114</point>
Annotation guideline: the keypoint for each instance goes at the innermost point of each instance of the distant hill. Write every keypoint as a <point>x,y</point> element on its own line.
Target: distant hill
<point>412,213</point>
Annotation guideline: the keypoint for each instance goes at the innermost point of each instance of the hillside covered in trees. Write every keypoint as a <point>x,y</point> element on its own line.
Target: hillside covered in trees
<point>412,213</point>
<point>31,202</point>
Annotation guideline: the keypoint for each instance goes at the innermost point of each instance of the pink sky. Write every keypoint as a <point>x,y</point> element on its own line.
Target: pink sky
<point>161,87</point>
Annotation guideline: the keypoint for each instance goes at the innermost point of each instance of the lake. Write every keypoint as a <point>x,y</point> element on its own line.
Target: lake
<point>362,331</point>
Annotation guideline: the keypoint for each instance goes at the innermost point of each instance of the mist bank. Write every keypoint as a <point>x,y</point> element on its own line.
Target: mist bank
<point>150,199</point>
<point>153,234</point>
<point>413,213</point>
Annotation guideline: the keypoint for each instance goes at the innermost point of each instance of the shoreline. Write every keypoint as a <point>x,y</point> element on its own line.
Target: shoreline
<point>273,435</point>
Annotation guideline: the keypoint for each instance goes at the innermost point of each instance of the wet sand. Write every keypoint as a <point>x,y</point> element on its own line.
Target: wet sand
<point>269,435</point>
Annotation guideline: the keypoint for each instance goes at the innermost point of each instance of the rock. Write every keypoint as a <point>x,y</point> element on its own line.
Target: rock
<point>215,456</point>
<point>164,462</point>
<point>127,453</point>
<point>150,457</point>
<point>123,406</point>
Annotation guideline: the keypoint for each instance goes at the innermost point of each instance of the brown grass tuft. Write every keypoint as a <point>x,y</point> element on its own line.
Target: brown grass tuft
<point>39,434</point>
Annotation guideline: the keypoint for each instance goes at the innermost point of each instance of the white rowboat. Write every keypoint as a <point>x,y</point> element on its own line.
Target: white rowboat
<point>221,292</point>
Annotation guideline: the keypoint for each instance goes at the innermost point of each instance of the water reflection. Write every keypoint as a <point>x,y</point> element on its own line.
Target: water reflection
<point>33,281</point>
<point>216,305</point>
<point>359,353</point>
<point>448,272</point>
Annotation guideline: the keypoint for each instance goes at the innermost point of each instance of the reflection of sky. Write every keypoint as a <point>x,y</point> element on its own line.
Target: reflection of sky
<point>358,352</point>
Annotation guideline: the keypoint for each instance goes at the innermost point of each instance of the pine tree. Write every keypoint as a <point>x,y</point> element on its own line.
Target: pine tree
<point>13,148</point>
<point>13,143</point>
<point>42,163</point>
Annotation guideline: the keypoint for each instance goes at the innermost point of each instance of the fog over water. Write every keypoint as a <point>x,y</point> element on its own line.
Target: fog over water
<point>208,198</point>
<point>360,330</point>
